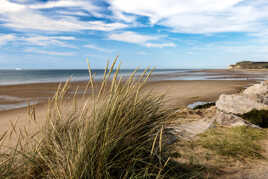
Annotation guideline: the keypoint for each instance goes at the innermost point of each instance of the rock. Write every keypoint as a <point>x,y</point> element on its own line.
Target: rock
<point>231,120</point>
<point>260,91</point>
<point>188,130</point>
<point>239,103</point>
<point>257,89</point>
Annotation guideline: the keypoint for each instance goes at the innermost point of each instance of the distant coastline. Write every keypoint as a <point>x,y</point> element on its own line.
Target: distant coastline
<point>250,65</point>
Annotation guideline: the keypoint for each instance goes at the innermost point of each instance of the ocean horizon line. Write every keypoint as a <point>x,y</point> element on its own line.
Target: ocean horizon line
<point>41,69</point>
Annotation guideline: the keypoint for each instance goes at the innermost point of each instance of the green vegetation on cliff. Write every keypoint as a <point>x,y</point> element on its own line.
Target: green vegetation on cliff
<point>250,65</point>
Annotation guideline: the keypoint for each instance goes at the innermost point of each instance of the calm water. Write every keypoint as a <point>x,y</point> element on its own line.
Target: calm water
<point>36,76</point>
<point>41,76</point>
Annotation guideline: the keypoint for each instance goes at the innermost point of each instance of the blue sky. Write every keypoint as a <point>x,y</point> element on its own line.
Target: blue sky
<point>57,34</point>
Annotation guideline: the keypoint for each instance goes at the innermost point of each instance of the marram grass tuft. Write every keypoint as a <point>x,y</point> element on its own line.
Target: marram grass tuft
<point>116,132</point>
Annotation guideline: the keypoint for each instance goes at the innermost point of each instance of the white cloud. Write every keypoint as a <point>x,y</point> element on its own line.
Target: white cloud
<point>72,13</point>
<point>45,52</point>
<point>36,21</point>
<point>49,40</point>
<point>94,47</point>
<point>38,40</point>
<point>159,9</point>
<point>121,16</point>
<point>25,17</point>
<point>76,6</point>
<point>199,16</point>
<point>132,37</point>
<point>87,5</point>
<point>6,38</point>
<point>7,6</point>
<point>160,45</point>
<point>185,16</point>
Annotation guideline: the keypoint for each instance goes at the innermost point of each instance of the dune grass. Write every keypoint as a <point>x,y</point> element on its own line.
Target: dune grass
<point>116,133</point>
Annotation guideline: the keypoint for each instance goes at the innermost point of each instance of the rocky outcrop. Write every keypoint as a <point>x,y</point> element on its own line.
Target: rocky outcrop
<point>228,112</point>
<point>239,103</point>
<point>231,107</point>
<point>188,130</point>
<point>231,120</point>
<point>260,91</point>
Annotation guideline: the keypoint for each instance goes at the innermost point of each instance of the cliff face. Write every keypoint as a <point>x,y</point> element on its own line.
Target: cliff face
<point>249,65</point>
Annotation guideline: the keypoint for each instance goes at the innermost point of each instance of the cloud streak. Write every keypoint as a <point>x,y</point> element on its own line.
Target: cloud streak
<point>131,37</point>
<point>94,47</point>
<point>199,16</point>
<point>5,38</point>
<point>160,45</point>
<point>33,19</point>
<point>36,21</point>
<point>49,40</point>
<point>135,38</point>
<point>46,52</point>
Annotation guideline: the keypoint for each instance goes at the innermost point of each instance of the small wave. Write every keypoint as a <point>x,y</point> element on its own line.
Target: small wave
<point>11,98</point>
<point>5,107</point>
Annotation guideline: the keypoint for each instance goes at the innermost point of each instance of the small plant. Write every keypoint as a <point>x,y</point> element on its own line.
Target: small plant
<point>237,142</point>
<point>257,117</point>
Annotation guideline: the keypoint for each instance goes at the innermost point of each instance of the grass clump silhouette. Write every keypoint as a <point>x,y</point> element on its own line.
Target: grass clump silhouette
<point>115,133</point>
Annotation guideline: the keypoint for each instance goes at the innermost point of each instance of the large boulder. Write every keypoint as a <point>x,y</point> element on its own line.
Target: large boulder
<point>231,120</point>
<point>239,103</point>
<point>257,89</point>
<point>260,91</point>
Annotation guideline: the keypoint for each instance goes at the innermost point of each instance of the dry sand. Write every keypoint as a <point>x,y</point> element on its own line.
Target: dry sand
<point>181,93</point>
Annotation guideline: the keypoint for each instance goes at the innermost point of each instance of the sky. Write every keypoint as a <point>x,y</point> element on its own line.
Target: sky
<point>62,34</point>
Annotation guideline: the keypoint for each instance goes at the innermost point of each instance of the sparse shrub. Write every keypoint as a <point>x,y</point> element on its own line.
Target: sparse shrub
<point>237,142</point>
<point>257,117</point>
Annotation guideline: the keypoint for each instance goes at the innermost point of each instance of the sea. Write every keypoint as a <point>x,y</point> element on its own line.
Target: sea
<point>13,77</point>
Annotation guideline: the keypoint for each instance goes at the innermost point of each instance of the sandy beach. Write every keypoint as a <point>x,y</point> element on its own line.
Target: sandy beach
<point>182,93</point>
<point>178,93</point>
